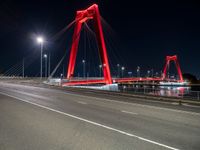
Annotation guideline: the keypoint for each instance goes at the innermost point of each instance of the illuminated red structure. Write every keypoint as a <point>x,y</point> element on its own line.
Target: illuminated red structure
<point>168,60</point>
<point>91,13</point>
<point>134,79</point>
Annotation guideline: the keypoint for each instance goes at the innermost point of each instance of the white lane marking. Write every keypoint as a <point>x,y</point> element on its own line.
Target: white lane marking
<point>129,112</point>
<point>140,105</point>
<point>91,122</point>
<point>80,102</point>
<point>175,103</point>
<point>185,104</point>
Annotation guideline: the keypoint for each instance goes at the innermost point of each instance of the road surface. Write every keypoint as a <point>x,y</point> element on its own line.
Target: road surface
<point>51,119</point>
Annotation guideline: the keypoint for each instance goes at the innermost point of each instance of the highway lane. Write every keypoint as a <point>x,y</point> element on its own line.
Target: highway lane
<point>29,127</point>
<point>113,124</point>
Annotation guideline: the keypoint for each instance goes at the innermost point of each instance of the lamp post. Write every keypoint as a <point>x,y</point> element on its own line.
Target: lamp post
<point>40,40</point>
<point>130,73</point>
<point>138,71</point>
<point>100,68</point>
<point>156,74</point>
<point>83,61</point>
<point>123,68</point>
<point>45,57</point>
<point>148,73</point>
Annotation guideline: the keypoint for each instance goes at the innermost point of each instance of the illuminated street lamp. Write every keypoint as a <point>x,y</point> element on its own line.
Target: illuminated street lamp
<point>83,61</point>
<point>100,68</point>
<point>156,74</point>
<point>45,57</point>
<point>40,40</point>
<point>138,71</point>
<point>123,68</point>
<point>130,73</point>
<point>148,73</point>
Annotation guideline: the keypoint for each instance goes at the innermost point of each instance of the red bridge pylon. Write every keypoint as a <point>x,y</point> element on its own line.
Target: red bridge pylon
<point>91,13</point>
<point>168,60</point>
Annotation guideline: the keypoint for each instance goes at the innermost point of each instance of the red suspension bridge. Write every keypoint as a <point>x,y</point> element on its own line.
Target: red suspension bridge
<point>92,13</point>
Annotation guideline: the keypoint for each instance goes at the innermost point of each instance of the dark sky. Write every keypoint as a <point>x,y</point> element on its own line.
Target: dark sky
<point>144,31</point>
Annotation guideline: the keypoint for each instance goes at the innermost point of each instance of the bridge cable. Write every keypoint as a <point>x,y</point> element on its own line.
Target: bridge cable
<point>61,60</point>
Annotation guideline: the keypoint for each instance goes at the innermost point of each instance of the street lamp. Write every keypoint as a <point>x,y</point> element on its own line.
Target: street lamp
<point>61,76</point>
<point>100,68</point>
<point>45,57</point>
<point>130,73</point>
<point>118,70</point>
<point>123,68</point>
<point>40,40</point>
<point>148,73</point>
<point>138,71</point>
<point>156,74</point>
<point>83,61</point>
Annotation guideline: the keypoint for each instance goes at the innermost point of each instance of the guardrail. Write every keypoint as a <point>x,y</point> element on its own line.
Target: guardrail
<point>139,96</point>
<point>179,92</point>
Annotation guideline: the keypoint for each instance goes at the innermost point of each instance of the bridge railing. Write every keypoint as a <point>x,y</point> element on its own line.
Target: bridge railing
<point>182,93</point>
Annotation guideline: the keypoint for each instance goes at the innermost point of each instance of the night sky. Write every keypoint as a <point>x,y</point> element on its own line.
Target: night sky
<point>144,32</point>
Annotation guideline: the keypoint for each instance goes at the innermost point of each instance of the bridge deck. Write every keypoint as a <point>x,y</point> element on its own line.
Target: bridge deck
<point>90,81</point>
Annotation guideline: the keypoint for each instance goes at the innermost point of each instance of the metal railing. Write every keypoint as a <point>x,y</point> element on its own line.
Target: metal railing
<point>178,92</point>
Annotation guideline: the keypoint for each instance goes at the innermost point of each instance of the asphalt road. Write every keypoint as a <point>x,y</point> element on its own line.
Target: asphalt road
<point>50,119</point>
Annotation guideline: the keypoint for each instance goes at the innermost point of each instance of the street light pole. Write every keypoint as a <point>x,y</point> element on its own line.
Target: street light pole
<point>40,40</point>
<point>100,68</point>
<point>83,61</point>
<point>148,73</point>
<point>45,56</point>
<point>123,68</point>
<point>138,71</point>
<point>41,49</point>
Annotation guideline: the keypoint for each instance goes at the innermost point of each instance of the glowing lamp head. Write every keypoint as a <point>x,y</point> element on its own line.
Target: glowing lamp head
<point>40,40</point>
<point>45,55</point>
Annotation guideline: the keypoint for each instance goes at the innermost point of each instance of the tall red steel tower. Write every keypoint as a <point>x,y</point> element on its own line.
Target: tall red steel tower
<point>168,60</point>
<point>91,13</point>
